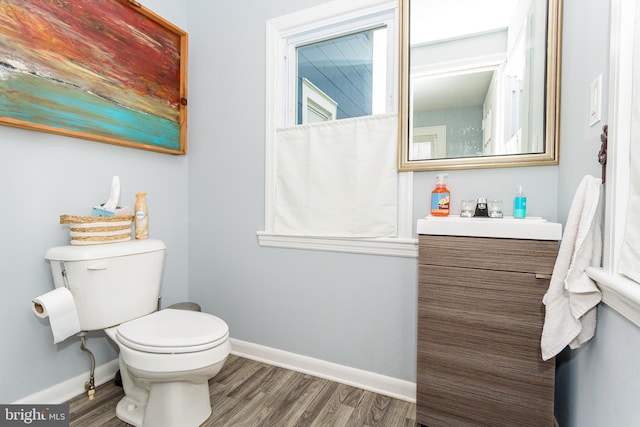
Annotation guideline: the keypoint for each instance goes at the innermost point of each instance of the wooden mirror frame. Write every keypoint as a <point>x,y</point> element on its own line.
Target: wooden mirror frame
<point>551,113</point>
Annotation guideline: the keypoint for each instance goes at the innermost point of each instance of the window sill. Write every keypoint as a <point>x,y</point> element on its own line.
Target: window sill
<point>407,248</point>
<point>619,293</point>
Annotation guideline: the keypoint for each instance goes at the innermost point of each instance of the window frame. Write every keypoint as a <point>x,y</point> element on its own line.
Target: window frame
<point>283,34</point>
<point>618,292</point>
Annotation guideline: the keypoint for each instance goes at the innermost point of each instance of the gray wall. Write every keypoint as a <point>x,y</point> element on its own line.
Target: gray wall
<point>597,385</point>
<point>350,309</point>
<point>355,310</point>
<point>43,176</point>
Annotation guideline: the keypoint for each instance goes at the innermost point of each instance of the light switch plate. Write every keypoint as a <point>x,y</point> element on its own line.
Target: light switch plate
<point>595,101</point>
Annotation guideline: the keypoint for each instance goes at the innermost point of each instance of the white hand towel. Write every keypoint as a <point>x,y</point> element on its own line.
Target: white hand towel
<point>570,301</point>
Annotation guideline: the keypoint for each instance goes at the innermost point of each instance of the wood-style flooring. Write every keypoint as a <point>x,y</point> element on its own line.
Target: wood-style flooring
<point>246,393</point>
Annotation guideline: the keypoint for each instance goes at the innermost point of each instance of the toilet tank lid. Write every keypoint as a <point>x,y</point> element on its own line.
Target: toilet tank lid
<point>107,250</point>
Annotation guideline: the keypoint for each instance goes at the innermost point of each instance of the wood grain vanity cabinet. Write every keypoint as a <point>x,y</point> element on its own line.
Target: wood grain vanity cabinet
<point>480,317</point>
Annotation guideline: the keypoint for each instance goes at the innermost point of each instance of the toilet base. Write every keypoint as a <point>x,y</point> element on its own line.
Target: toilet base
<point>129,412</point>
<point>163,398</point>
<point>190,405</point>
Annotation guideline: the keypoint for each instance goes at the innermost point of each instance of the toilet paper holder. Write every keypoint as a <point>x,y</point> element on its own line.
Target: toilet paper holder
<point>38,308</point>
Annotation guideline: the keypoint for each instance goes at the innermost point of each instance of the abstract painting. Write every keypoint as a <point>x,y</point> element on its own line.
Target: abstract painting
<point>105,70</point>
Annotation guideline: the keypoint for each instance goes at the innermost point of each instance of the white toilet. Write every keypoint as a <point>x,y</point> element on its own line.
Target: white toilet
<point>166,356</point>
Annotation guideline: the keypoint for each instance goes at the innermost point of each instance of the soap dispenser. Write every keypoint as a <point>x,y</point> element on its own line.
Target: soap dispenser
<point>520,204</point>
<point>440,197</point>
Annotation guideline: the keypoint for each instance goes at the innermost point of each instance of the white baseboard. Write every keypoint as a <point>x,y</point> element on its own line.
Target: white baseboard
<point>381,384</point>
<point>61,392</point>
<point>388,386</point>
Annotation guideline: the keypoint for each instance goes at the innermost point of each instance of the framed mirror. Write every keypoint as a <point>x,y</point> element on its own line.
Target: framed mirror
<point>479,83</point>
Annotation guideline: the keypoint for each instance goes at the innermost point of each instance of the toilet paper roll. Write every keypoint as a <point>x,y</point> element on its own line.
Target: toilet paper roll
<point>59,307</point>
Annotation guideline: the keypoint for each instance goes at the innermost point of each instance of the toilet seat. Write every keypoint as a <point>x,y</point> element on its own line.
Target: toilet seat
<point>171,331</point>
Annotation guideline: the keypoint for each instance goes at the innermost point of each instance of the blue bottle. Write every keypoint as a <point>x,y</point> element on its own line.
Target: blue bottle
<point>520,204</point>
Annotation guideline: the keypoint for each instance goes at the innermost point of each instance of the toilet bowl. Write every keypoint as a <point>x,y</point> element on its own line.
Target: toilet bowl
<point>166,357</point>
<point>166,361</point>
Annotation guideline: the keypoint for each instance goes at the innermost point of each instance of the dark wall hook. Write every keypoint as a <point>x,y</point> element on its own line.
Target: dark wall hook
<point>602,154</point>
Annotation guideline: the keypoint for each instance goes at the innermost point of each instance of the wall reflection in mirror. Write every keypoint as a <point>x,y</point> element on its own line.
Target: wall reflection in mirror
<point>477,84</point>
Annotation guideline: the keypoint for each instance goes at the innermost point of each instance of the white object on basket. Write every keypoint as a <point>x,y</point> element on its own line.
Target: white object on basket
<point>114,195</point>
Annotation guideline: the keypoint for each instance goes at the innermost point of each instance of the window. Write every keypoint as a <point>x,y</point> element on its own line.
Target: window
<point>305,48</point>
<point>349,70</point>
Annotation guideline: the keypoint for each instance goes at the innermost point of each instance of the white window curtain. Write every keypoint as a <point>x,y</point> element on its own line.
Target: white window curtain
<point>338,178</point>
<point>630,255</point>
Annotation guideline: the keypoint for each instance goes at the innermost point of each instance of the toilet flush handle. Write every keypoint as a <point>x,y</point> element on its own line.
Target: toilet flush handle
<point>98,266</point>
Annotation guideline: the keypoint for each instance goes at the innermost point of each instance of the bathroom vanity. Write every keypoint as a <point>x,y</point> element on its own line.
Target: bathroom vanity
<point>480,317</point>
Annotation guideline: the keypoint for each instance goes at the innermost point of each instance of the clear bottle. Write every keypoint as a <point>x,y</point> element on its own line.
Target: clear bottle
<point>440,197</point>
<point>142,216</point>
<point>520,204</point>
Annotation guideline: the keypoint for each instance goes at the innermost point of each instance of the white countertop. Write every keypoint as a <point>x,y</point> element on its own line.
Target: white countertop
<point>534,228</point>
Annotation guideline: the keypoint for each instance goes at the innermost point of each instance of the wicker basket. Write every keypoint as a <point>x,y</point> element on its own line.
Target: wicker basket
<point>90,230</point>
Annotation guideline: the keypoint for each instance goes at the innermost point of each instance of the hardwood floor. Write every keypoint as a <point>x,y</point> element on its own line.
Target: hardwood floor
<point>248,393</point>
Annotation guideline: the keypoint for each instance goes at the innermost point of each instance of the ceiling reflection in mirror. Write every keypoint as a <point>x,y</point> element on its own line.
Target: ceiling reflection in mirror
<point>476,84</point>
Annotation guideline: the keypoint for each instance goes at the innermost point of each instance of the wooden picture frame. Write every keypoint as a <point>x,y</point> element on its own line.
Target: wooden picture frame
<point>105,70</point>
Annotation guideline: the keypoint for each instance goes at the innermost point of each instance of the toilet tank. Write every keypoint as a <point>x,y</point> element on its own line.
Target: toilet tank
<point>110,283</point>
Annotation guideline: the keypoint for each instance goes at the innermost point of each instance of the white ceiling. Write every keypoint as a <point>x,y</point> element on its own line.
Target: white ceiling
<point>448,92</point>
<point>437,20</point>
<point>442,19</point>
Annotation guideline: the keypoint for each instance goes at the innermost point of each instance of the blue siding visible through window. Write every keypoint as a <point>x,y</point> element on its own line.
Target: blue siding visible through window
<point>342,68</point>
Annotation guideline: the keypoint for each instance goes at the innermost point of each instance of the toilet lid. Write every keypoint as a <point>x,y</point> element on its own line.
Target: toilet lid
<point>173,331</point>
